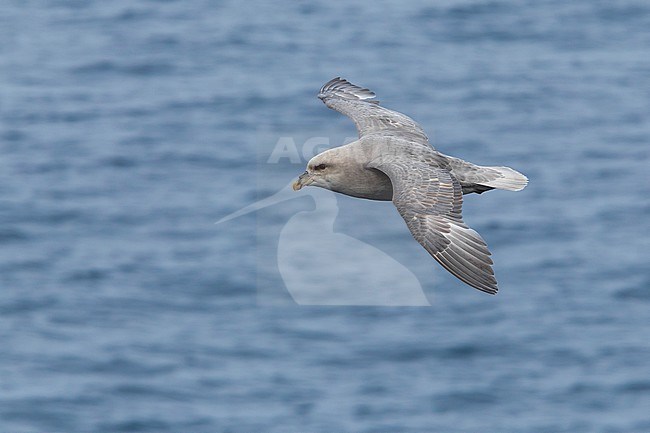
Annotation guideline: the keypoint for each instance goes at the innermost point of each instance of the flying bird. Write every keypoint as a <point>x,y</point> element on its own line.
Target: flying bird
<point>393,160</point>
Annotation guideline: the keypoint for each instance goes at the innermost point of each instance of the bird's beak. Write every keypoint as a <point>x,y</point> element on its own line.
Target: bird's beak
<point>303,180</point>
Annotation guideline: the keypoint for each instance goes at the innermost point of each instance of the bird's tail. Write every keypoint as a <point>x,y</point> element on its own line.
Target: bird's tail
<point>507,179</point>
<point>476,178</point>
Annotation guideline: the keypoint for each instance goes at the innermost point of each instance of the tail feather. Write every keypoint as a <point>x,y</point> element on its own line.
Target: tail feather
<point>508,179</point>
<point>477,178</point>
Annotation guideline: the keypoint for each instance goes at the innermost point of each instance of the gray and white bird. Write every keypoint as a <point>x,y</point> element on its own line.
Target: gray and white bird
<point>393,160</point>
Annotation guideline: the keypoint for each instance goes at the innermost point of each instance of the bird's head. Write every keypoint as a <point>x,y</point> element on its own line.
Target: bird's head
<point>322,169</point>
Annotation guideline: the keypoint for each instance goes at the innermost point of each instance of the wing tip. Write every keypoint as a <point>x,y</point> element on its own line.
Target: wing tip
<point>489,287</point>
<point>465,261</point>
<point>342,88</point>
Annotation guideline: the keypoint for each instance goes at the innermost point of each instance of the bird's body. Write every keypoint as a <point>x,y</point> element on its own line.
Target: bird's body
<point>393,160</point>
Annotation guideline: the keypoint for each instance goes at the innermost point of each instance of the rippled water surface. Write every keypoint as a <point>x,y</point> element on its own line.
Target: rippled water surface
<point>128,127</point>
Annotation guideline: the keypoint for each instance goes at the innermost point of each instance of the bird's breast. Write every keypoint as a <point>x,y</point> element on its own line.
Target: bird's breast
<point>366,183</point>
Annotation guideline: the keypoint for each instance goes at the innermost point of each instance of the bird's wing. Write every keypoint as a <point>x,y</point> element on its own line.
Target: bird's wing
<point>370,118</point>
<point>430,200</point>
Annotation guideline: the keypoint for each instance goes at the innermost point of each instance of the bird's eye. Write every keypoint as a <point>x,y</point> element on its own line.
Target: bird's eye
<point>320,167</point>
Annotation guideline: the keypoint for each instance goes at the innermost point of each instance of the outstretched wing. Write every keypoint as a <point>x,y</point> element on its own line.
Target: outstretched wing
<point>430,201</point>
<point>370,118</point>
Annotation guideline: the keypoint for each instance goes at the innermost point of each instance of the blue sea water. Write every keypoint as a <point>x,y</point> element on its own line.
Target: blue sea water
<point>128,127</point>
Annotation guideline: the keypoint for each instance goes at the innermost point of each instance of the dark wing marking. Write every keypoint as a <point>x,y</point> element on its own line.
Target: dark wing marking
<point>430,201</point>
<point>368,116</point>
